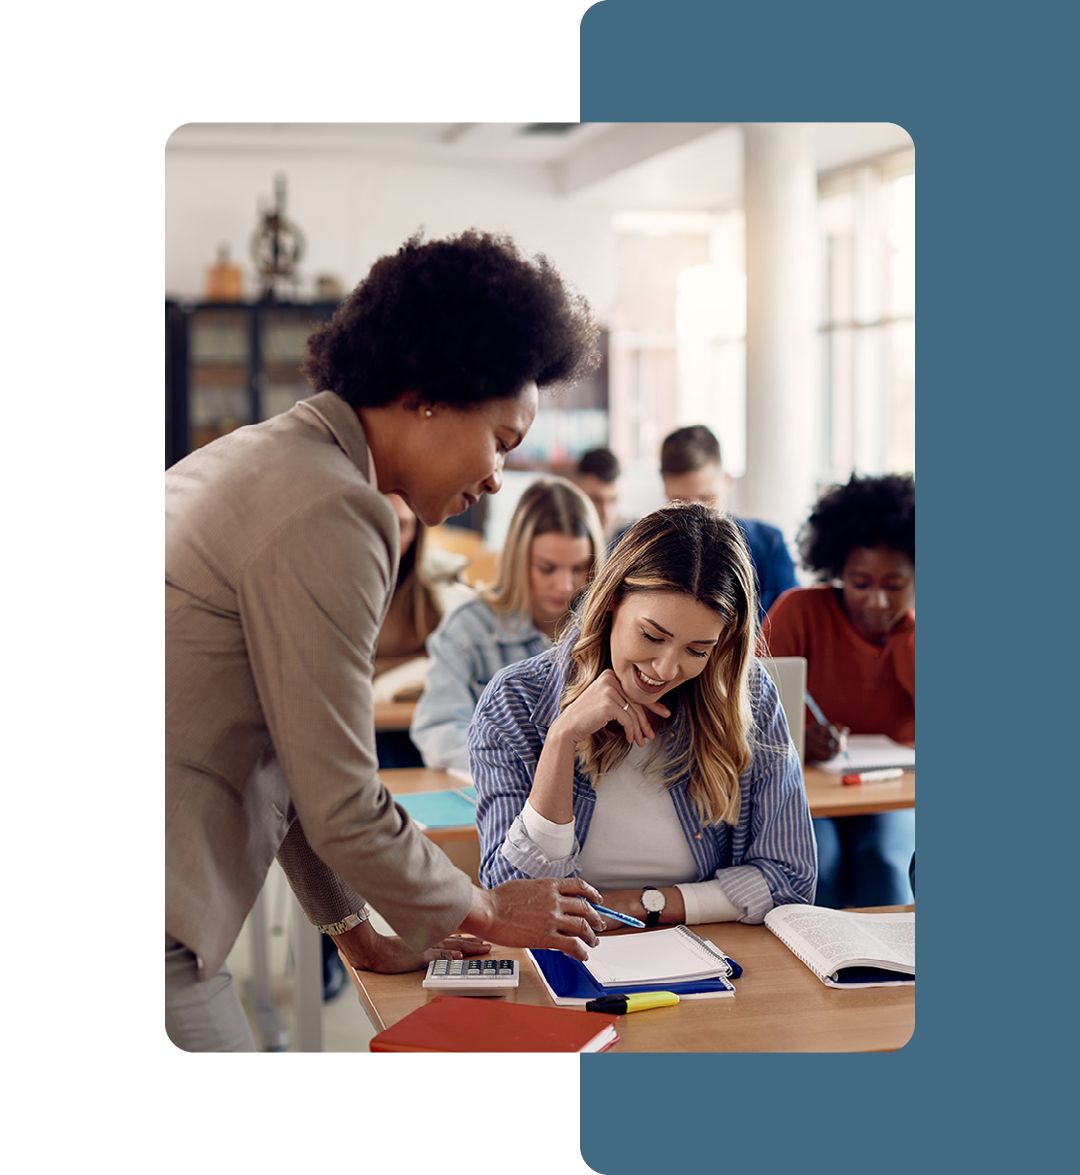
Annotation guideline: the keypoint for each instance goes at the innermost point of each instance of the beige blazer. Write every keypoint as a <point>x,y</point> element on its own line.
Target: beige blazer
<point>280,560</point>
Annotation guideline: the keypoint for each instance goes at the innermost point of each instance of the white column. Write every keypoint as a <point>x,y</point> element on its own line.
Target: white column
<point>782,399</point>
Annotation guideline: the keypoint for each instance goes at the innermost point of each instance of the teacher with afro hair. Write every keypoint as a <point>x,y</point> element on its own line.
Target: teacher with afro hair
<point>280,563</point>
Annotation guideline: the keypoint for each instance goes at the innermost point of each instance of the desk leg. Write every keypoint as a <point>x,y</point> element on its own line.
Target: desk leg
<point>307,951</point>
<point>257,989</point>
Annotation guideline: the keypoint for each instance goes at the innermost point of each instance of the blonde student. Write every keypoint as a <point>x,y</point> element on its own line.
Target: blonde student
<point>648,752</point>
<point>553,545</point>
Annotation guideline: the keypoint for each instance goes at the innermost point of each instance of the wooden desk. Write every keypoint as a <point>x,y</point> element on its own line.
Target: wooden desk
<point>827,795</point>
<point>779,1005</point>
<point>393,715</point>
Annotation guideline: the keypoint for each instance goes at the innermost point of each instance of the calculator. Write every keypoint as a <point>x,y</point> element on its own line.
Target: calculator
<point>472,976</point>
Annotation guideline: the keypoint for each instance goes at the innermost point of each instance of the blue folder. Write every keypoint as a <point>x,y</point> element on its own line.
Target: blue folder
<point>570,979</point>
<point>439,809</point>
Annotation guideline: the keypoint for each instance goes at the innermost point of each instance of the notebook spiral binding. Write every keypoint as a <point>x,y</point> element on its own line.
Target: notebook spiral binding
<point>707,948</point>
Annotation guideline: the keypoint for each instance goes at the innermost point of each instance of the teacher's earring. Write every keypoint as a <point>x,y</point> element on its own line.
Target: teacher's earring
<point>427,412</point>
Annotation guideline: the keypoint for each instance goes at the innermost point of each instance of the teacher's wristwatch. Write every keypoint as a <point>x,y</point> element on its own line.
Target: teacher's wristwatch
<point>654,902</point>
<point>347,923</point>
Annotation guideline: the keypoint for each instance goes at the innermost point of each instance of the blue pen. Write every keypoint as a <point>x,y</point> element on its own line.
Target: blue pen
<point>839,735</point>
<point>627,918</point>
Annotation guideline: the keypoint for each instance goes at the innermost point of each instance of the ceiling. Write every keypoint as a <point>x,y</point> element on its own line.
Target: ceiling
<point>631,165</point>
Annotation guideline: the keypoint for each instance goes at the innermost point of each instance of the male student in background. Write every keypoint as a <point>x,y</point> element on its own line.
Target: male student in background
<point>598,474</point>
<point>691,470</point>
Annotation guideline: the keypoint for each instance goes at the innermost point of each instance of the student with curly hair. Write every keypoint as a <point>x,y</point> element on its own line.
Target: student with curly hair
<point>648,752</point>
<point>553,545</point>
<point>281,559</point>
<point>856,629</point>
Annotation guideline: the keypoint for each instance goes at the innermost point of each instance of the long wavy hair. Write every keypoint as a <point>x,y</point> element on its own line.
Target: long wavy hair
<point>698,552</point>
<point>551,505</point>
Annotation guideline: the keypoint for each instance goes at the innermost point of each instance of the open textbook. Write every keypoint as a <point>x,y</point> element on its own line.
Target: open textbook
<point>845,949</point>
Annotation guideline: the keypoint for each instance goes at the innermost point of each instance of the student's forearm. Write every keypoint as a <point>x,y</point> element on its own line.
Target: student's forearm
<point>552,792</point>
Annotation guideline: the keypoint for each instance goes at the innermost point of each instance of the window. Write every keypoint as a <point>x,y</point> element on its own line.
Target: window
<point>678,340</point>
<point>867,337</point>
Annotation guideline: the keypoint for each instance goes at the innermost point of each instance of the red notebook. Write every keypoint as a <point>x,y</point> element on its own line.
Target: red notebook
<point>456,1024</point>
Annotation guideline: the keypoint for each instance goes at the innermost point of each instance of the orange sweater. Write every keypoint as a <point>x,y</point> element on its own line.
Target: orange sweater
<point>868,688</point>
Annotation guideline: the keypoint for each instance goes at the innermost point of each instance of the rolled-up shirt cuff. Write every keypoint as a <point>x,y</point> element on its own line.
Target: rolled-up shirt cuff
<point>555,841</point>
<point>739,893</point>
<point>705,901</point>
<point>520,851</point>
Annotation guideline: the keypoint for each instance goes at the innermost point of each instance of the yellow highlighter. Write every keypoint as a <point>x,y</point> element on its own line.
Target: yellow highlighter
<point>618,1004</point>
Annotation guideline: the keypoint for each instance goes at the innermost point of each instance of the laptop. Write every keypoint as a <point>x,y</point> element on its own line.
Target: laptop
<point>789,674</point>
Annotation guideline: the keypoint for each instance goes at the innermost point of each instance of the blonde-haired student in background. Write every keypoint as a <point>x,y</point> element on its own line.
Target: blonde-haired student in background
<point>427,588</point>
<point>648,753</point>
<point>553,545</point>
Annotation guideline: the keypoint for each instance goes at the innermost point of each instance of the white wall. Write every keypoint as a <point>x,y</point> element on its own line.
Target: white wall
<point>352,210</point>
<point>80,217</point>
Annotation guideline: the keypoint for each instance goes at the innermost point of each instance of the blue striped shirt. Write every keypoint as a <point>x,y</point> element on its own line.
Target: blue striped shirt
<point>768,858</point>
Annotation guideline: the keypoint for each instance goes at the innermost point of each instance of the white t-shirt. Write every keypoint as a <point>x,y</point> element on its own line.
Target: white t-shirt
<point>635,839</point>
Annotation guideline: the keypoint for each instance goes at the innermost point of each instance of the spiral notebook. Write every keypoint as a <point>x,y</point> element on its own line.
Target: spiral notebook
<point>569,981</point>
<point>870,752</point>
<point>672,955</point>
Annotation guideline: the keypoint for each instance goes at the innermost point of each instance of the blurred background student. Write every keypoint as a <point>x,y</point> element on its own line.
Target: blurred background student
<point>553,544</point>
<point>691,470</point>
<point>598,474</point>
<point>856,630</point>
<point>427,588</point>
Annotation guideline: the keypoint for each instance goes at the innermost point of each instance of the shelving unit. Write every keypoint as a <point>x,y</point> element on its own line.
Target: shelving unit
<point>228,364</point>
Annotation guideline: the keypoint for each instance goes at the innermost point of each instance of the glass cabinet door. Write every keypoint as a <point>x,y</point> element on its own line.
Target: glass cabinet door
<point>232,364</point>
<point>219,383</point>
<point>283,335</point>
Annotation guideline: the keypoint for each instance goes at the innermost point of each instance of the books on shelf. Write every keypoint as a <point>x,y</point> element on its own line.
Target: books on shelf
<point>870,752</point>
<point>845,949</point>
<point>457,1024</point>
<point>672,959</point>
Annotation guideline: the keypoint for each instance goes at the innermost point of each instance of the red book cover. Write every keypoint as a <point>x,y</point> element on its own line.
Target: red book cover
<point>457,1024</point>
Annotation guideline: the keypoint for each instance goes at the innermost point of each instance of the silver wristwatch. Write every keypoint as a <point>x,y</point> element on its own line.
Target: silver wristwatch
<point>654,902</point>
<point>347,923</point>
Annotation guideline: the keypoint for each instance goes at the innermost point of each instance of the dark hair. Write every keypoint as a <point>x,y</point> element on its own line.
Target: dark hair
<point>689,449</point>
<point>601,463</point>
<point>460,320</point>
<point>864,512</point>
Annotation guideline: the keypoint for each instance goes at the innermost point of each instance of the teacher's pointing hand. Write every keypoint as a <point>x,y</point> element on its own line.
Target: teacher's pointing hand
<point>541,912</point>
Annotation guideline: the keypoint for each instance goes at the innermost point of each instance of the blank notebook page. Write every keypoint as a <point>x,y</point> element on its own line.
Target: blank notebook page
<point>674,953</point>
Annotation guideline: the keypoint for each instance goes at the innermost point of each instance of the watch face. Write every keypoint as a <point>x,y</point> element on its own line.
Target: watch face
<point>653,900</point>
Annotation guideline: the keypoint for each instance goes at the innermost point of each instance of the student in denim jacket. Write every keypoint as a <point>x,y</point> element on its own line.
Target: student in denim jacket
<point>553,545</point>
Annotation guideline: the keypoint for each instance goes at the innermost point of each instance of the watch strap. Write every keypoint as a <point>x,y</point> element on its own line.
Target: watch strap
<point>346,923</point>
